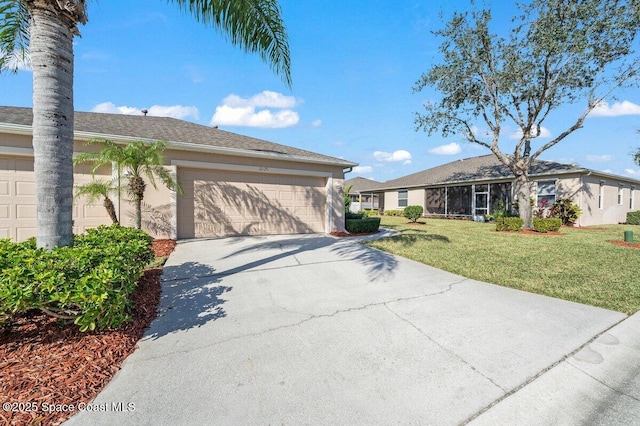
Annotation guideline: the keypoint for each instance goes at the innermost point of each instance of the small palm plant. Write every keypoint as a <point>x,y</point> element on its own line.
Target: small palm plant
<point>135,161</point>
<point>99,189</point>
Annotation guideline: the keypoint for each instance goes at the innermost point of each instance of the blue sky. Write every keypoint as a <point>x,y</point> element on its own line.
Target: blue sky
<point>354,65</point>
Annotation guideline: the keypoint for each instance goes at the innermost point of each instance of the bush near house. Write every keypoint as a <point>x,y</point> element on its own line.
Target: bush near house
<point>88,283</point>
<point>509,224</point>
<point>367,224</point>
<point>566,211</point>
<point>350,215</point>
<point>413,213</point>
<point>546,224</point>
<point>633,218</point>
<point>393,212</point>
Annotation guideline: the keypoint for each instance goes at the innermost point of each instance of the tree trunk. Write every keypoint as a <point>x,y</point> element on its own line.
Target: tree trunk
<point>522,191</point>
<point>111,210</point>
<point>138,203</point>
<point>51,47</point>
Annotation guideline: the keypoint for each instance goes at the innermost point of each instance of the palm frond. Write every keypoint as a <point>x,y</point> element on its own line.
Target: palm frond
<point>254,25</point>
<point>14,35</point>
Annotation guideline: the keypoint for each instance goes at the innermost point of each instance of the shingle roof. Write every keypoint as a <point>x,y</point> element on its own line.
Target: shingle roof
<point>359,184</point>
<point>167,129</point>
<point>484,167</point>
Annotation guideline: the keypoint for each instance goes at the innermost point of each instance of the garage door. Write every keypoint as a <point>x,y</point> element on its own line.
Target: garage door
<point>18,201</point>
<point>221,203</point>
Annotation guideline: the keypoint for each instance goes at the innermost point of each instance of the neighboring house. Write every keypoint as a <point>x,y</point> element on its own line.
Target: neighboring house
<point>478,186</point>
<point>360,198</point>
<point>233,184</point>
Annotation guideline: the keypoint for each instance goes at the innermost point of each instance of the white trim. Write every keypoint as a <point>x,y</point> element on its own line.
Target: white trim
<point>247,168</point>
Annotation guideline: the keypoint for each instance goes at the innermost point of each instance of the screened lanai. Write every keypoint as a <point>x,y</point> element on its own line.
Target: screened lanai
<point>467,200</point>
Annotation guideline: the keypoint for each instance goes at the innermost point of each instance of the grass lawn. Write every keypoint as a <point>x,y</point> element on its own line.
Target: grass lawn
<point>581,265</point>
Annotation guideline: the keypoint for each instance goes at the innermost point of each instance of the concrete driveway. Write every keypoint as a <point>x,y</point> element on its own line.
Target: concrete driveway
<point>318,330</point>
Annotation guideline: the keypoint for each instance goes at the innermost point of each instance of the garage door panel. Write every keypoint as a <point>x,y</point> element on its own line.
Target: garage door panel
<point>219,203</point>
<point>18,202</point>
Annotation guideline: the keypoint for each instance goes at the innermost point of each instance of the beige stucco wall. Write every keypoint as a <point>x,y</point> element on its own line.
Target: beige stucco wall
<point>611,212</point>
<point>416,198</point>
<point>159,205</point>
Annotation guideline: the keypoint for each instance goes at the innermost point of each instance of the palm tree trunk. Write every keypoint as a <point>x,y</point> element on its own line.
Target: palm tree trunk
<point>51,47</point>
<point>111,210</point>
<point>138,203</point>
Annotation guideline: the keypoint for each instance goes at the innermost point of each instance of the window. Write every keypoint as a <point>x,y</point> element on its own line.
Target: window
<point>546,193</point>
<point>403,197</point>
<point>620,190</point>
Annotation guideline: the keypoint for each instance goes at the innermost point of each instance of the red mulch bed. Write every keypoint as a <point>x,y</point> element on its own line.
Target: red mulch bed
<point>44,364</point>
<point>625,244</point>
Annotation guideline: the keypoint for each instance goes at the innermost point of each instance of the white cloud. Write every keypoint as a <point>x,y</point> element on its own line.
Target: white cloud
<point>599,158</point>
<point>362,169</point>
<point>175,111</point>
<point>255,112</point>
<point>448,149</point>
<point>400,155</point>
<point>632,172</point>
<point>544,133</point>
<point>316,123</point>
<point>618,108</point>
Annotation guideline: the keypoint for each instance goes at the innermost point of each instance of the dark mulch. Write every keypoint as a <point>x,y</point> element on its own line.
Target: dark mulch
<point>44,364</point>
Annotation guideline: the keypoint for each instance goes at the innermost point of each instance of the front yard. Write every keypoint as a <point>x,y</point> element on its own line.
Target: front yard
<point>581,265</point>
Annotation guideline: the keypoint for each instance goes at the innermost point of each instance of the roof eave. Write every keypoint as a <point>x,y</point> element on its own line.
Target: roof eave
<point>20,129</point>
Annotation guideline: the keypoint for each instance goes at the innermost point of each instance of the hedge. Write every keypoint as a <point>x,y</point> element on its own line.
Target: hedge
<point>393,212</point>
<point>368,224</point>
<point>546,224</point>
<point>509,224</point>
<point>633,218</point>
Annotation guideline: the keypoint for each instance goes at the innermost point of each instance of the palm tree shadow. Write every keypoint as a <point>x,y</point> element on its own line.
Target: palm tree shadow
<point>191,297</point>
<point>379,264</point>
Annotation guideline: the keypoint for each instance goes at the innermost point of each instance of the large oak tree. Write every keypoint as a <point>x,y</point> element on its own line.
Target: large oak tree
<point>46,29</point>
<point>559,52</point>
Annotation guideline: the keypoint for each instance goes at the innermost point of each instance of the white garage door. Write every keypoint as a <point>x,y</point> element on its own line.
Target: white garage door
<point>221,203</point>
<point>18,201</point>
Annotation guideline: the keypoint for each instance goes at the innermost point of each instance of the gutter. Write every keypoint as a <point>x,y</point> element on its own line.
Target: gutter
<point>20,129</point>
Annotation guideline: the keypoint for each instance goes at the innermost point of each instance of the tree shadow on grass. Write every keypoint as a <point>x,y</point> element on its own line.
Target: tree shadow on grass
<point>191,297</point>
<point>413,236</point>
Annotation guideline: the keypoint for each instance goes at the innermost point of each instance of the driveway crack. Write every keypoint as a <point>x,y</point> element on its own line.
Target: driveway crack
<point>432,340</point>
<point>318,316</point>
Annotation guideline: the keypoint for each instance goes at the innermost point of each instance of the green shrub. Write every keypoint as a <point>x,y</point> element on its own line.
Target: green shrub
<point>412,213</point>
<point>393,212</point>
<point>368,224</point>
<point>350,215</point>
<point>566,211</point>
<point>369,212</point>
<point>509,224</point>
<point>546,224</point>
<point>633,218</point>
<point>89,282</point>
